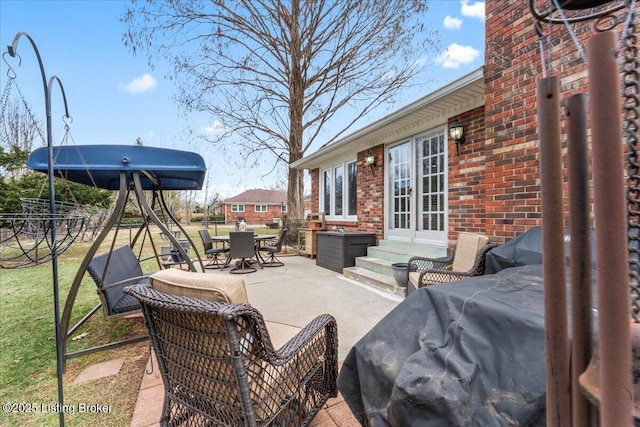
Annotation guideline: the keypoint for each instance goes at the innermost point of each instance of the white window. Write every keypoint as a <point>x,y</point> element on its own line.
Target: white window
<point>237,208</point>
<point>261,208</point>
<point>338,191</point>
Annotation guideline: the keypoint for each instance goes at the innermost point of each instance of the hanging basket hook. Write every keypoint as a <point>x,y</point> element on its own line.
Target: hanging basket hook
<point>11,74</point>
<point>68,120</point>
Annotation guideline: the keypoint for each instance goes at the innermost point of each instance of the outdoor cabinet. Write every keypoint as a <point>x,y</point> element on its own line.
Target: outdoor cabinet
<point>307,241</point>
<point>339,250</point>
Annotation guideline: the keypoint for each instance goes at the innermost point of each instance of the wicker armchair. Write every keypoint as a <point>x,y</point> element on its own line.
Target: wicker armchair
<point>467,260</point>
<point>219,366</point>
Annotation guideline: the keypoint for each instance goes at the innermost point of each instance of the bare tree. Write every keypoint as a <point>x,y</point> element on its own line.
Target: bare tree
<point>273,73</point>
<point>19,130</point>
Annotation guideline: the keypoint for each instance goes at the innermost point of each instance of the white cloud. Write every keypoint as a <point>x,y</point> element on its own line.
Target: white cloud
<point>452,23</point>
<point>472,10</point>
<point>456,55</point>
<point>214,128</point>
<point>140,84</point>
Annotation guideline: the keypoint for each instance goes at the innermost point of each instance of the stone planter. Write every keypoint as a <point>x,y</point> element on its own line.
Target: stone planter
<point>400,273</point>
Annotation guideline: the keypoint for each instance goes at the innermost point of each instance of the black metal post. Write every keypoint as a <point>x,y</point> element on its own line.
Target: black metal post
<point>12,50</point>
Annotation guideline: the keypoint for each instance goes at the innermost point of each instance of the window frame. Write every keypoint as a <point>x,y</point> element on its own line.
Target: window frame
<point>330,173</point>
<point>237,207</point>
<point>265,210</point>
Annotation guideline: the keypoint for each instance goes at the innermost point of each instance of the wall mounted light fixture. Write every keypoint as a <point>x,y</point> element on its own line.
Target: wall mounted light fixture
<point>456,131</point>
<point>370,160</point>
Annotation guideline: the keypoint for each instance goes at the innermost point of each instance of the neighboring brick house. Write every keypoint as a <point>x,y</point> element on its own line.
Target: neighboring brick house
<point>420,189</point>
<point>256,206</point>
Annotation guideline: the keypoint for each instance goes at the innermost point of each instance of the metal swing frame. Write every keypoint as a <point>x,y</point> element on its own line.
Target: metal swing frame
<point>128,185</point>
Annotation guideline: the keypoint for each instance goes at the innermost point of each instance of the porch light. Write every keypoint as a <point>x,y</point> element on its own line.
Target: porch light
<point>370,160</point>
<point>456,131</point>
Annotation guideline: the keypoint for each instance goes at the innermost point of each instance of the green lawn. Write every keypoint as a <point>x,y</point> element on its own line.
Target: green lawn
<point>28,361</point>
<point>27,342</point>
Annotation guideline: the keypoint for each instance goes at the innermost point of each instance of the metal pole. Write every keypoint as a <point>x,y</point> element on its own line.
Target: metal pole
<point>557,374</point>
<point>614,336</point>
<point>12,50</point>
<point>581,319</point>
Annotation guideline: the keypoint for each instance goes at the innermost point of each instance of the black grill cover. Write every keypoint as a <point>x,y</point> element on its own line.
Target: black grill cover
<point>468,353</point>
<point>526,249</point>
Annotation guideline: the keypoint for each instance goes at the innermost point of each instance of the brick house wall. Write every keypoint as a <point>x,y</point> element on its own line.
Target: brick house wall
<point>467,170</point>
<point>494,182</point>
<point>315,188</point>
<point>512,68</point>
<point>251,216</point>
<point>466,184</point>
<point>370,195</point>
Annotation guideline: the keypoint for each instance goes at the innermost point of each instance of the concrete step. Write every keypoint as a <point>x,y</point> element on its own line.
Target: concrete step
<point>373,279</point>
<point>377,265</point>
<point>412,249</point>
<point>389,254</point>
<point>375,268</point>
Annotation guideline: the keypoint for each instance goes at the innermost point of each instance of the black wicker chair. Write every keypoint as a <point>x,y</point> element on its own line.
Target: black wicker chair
<point>272,250</point>
<point>467,260</point>
<point>210,251</point>
<point>219,366</point>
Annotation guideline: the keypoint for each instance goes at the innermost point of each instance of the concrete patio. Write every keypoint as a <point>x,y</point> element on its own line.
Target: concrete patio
<point>294,294</point>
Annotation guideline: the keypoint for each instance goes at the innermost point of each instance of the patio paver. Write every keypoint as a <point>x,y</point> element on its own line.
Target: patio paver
<point>100,370</point>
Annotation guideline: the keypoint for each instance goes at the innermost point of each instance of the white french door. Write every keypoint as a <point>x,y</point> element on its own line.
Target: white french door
<point>416,184</point>
<point>431,188</point>
<point>399,191</point>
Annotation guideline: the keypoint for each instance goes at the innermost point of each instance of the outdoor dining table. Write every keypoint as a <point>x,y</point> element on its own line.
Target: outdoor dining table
<point>259,238</point>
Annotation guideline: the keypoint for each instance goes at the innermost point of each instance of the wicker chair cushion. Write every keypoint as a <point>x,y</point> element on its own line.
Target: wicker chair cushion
<point>280,333</point>
<point>414,278</point>
<point>467,249</point>
<point>210,286</point>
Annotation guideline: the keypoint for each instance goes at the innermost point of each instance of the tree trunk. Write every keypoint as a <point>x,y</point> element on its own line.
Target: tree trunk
<point>295,194</point>
<point>296,97</point>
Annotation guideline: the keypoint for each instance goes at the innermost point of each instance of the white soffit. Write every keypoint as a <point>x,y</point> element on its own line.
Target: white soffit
<point>432,110</point>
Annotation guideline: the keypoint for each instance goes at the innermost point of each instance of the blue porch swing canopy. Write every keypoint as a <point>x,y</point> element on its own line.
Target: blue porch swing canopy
<point>100,166</point>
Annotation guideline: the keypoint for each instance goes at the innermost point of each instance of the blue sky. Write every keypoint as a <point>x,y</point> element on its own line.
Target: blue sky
<point>114,97</point>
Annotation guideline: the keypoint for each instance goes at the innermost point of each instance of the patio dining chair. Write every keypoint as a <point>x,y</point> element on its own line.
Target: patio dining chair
<point>242,245</point>
<point>217,357</point>
<point>210,251</point>
<point>272,250</point>
<point>466,260</point>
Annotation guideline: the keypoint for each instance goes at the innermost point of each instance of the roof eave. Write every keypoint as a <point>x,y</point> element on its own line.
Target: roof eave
<point>319,157</point>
